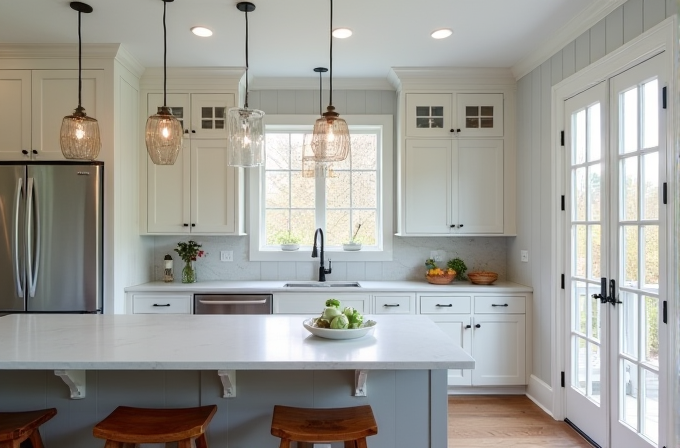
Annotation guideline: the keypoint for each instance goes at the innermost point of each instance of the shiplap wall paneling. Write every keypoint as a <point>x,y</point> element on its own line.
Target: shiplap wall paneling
<point>614,31</point>
<point>671,7</point>
<point>356,102</point>
<point>306,102</point>
<point>582,51</point>
<point>286,102</point>
<point>653,12</point>
<point>569,60</point>
<point>632,19</point>
<point>598,47</point>
<point>546,215</point>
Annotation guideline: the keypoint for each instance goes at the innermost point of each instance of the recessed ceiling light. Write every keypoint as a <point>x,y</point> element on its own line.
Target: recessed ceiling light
<point>342,33</point>
<point>441,34</point>
<point>201,31</point>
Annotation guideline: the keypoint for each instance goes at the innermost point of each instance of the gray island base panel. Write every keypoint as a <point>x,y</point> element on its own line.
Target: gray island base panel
<point>172,361</point>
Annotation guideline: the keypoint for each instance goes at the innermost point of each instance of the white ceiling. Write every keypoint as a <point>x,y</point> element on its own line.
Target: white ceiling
<point>288,38</point>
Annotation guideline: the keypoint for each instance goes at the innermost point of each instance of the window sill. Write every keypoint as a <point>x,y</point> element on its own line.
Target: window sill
<point>335,254</point>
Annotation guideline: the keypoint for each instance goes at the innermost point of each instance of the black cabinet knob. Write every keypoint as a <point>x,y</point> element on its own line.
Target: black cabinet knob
<point>478,326</point>
<point>452,130</point>
<point>193,225</point>
<point>468,326</point>
<point>35,152</point>
<point>186,131</point>
<point>453,226</point>
<point>24,152</point>
<point>186,225</point>
<point>461,225</point>
<point>193,131</point>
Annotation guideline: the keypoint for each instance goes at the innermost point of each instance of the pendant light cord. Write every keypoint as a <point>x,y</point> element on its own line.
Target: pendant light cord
<point>165,57</point>
<point>330,95</point>
<point>80,64</point>
<point>245,103</point>
<point>320,93</point>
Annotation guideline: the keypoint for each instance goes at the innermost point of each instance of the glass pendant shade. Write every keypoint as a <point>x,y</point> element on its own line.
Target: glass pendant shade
<point>331,142</point>
<point>245,135</point>
<point>79,136</point>
<point>163,137</point>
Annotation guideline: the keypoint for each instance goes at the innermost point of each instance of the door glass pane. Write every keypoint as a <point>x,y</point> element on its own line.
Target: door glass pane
<point>650,251</point>
<point>579,363</point>
<point>629,189</point>
<point>579,194</point>
<point>580,300</point>
<point>629,406</point>
<point>650,114</point>
<point>595,252</point>
<point>629,324</point>
<point>650,186</point>
<point>650,405</point>
<point>594,372</point>
<point>629,251</point>
<point>594,189</point>
<point>580,134</point>
<point>580,240</point>
<point>594,133</point>
<point>651,334</point>
<point>594,316</point>
<point>629,121</point>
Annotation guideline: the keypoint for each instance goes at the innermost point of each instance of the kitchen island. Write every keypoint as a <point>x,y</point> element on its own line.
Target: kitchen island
<point>256,361</point>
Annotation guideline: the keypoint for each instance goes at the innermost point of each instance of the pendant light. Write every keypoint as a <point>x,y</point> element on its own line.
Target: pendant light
<point>163,131</point>
<point>310,167</point>
<point>79,134</point>
<point>245,130</point>
<point>330,142</point>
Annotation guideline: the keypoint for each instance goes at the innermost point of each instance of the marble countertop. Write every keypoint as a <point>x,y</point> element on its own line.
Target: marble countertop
<point>209,342</point>
<point>270,287</point>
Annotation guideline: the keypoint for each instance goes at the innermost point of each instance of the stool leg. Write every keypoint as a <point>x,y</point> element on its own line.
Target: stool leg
<point>305,445</point>
<point>350,444</point>
<point>201,441</point>
<point>361,443</point>
<point>184,443</point>
<point>113,444</point>
<point>285,443</point>
<point>35,439</point>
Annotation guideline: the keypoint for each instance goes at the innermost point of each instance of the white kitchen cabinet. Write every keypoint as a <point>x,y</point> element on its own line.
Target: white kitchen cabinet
<point>491,328</point>
<point>398,303</point>
<point>314,303</point>
<point>34,104</point>
<point>159,303</point>
<point>454,114</point>
<point>452,187</point>
<point>200,193</point>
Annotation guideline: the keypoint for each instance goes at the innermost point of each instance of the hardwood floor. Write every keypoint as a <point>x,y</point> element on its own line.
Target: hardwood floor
<point>507,421</point>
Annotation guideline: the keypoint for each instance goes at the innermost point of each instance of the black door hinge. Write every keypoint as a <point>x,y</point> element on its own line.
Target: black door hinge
<point>665,311</point>
<point>562,202</point>
<point>665,193</point>
<point>562,137</point>
<point>562,281</point>
<point>663,97</point>
<point>562,378</point>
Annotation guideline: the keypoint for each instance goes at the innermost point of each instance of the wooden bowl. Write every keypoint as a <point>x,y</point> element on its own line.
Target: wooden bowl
<point>482,277</point>
<point>440,279</point>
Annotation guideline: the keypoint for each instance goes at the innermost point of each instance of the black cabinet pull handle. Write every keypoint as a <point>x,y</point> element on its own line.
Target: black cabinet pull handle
<point>493,304</point>
<point>193,225</point>
<point>478,326</point>
<point>186,131</point>
<point>156,304</point>
<point>390,304</point>
<point>452,130</point>
<point>445,306</point>
<point>468,326</point>
<point>186,225</point>
<point>24,152</point>
<point>453,226</point>
<point>461,225</point>
<point>457,130</point>
<point>193,131</point>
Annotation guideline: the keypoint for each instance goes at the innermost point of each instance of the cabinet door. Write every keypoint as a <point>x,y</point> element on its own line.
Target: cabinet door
<point>480,114</point>
<point>179,104</point>
<point>478,187</point>
<point>208,119</point>
<point>426,187</point>
<point>54,96</point>
<point>458,328</point>
<point>214,187</point>
<point>15,114</point>
<point>498,346</point>
<point>429,115</point>
<point>162,303</point>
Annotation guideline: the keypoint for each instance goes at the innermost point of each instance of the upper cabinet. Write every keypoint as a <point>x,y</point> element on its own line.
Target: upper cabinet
<point>454,114</point>
<point>34,104</point>
<point>202,114</point>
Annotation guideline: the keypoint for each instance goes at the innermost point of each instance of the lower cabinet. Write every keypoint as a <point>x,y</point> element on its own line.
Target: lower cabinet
<point>159,303</point>
<point>492,329</point>
<point>314,303</point>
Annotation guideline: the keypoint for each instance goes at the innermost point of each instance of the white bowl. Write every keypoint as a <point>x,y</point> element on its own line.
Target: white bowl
<point>293,246</point>
<point>351,246</point>
<point>329,333</point>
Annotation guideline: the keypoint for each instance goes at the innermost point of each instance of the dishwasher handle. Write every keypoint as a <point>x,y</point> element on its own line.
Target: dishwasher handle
<point>232,302</point>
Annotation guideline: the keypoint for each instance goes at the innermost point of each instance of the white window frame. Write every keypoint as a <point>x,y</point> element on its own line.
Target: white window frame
<point>385,208</point>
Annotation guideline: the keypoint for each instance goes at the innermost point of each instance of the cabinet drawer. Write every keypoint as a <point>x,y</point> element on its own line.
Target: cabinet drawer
<point>395,304</point>
<point>445,304</point>
<point>311,303</point>
<point>161,304</point>
<point>500,304</point>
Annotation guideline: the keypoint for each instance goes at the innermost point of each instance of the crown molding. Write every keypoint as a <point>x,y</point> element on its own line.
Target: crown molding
<point>582,22</point>
<point>448,77</point>
<point>312,83</point>
<point>189,77</point>
<point>128,61</point>
<point>57,51</point>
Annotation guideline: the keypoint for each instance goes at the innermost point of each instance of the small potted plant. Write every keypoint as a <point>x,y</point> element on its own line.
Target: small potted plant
<point>288,241</point>
<point>354,243</point>
<point>189,252</point>
<point>458,265</point>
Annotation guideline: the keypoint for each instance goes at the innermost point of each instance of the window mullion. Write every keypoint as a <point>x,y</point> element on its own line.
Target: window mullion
<point>320,200</point>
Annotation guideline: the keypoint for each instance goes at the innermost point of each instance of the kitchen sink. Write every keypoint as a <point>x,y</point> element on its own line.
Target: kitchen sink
<point>323,285</point>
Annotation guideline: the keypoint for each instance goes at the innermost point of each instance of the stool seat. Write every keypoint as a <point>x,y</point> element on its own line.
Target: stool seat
<point>15,427</point>
<point>144,425</point>
<point>350,425</point>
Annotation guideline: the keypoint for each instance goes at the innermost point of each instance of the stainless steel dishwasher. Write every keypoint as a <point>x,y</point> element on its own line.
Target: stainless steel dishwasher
<point>232,304</point>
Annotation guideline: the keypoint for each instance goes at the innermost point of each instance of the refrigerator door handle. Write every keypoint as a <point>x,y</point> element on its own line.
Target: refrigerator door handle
<point>33,264</point>
<point>15,240</point>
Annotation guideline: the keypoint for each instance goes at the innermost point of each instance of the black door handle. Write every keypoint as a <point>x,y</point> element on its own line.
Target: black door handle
<point>612,293</point>
<point>603,291</point>
<point>478,326</point>
<point>493,304</point>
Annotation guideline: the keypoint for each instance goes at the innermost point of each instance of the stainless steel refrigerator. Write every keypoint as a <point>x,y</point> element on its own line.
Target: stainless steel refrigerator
<point>51,237</point>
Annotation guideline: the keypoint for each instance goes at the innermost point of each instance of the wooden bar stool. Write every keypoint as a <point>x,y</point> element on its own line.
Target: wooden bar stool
<point>127,426</point>
<point>350,425</point>
<point>15,427</point>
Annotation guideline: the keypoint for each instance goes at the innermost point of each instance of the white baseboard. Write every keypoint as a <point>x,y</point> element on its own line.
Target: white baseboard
<point>541,394</point>
<point>487,390</point>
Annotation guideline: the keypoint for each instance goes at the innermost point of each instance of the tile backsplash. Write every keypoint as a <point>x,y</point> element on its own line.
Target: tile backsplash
<point>486,253</point>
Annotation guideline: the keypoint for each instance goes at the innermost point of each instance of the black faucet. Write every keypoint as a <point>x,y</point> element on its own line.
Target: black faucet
<point>322,271</point>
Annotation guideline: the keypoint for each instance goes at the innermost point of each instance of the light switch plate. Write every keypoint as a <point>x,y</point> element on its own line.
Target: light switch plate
<point>227,255</point>
<point>524,255</point>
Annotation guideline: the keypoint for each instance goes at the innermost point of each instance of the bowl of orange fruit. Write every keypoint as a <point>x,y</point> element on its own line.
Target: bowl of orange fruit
<point>438,276</point>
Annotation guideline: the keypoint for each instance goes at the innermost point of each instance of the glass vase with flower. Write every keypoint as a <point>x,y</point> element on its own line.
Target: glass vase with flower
<point>189,252</point>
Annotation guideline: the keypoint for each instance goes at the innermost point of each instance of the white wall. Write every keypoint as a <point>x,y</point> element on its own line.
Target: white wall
<point>533,162</point>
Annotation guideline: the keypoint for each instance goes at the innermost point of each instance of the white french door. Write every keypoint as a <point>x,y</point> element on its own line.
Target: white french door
<point>615,258</point>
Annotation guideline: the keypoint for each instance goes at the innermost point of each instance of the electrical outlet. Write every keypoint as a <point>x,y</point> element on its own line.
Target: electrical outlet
<point>437,255</point>
<point>227,255</point>
<point>524,255</point>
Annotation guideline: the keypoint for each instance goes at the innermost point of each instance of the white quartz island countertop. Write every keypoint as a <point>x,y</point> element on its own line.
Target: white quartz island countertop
<point>205,342</point>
